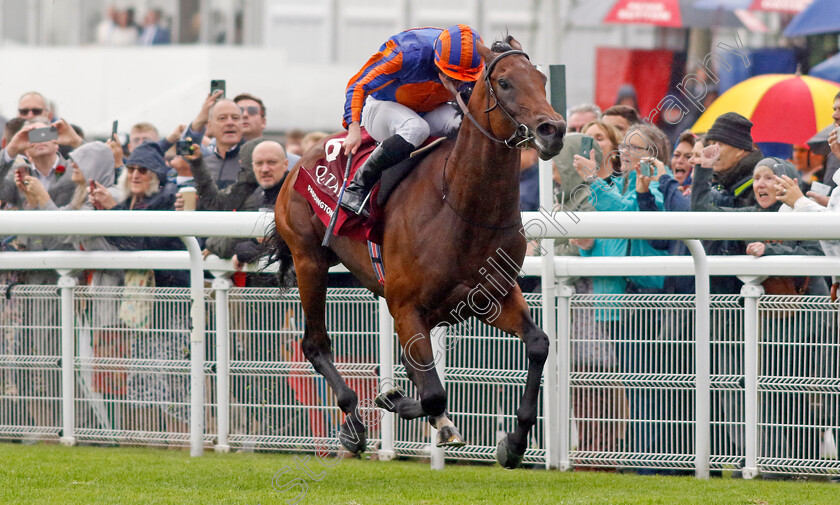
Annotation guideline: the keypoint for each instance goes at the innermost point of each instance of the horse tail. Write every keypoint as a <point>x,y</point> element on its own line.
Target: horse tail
<point>275,250</point>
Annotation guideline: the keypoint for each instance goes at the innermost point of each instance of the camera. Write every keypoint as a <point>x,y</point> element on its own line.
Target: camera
<point>183,147</point>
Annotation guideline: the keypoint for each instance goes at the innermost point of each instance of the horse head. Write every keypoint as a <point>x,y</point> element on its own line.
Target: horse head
<point>511,94</point>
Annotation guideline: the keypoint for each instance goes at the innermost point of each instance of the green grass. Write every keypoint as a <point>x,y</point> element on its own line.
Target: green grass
<point>53,475</point>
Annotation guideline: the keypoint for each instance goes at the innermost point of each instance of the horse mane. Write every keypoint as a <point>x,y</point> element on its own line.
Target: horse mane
<point>500,46</point>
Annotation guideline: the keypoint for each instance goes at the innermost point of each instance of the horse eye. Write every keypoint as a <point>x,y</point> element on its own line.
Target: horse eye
<point>504,84</point>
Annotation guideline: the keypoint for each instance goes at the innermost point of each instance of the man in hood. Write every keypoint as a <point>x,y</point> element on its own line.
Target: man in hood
<point>733,171</point>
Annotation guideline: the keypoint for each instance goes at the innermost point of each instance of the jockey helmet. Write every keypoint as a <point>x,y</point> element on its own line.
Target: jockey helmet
<point>456,53</point>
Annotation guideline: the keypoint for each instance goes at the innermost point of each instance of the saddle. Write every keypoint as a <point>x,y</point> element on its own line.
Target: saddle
<point>320,184</point>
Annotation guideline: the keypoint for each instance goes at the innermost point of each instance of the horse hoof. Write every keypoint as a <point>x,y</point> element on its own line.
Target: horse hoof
<point>387,400</point>
<point>448,436</point>
<point>354,440</point>
<point>507,458</point>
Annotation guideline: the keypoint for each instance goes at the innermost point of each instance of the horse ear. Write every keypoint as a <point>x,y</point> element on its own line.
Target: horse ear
<point>514,43</point>
<point>485,52</point>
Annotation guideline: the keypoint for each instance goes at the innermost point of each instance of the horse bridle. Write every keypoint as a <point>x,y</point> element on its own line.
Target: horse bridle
<point>521,131</point>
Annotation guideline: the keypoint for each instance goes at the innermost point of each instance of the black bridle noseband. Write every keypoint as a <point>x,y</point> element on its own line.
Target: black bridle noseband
<point>522,132</point>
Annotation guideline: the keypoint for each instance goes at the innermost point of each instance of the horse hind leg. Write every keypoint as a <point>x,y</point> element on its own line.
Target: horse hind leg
<point>316,346</point>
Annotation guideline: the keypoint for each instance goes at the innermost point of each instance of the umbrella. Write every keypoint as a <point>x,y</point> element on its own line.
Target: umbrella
<point>789,6</point>
<point>677,14</point>
<point>828,70</point>
<point>784,108</point>
<point>822,16</point>
<point>819,142</point>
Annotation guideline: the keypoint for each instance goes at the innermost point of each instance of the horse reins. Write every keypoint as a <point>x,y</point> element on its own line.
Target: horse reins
<point>522,131</point>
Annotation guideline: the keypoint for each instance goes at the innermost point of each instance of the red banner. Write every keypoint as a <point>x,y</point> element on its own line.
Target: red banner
<point>647,12</point>
<point>790,6</point>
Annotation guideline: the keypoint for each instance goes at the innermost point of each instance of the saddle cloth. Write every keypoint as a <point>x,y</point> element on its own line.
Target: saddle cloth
<point>320,184</point>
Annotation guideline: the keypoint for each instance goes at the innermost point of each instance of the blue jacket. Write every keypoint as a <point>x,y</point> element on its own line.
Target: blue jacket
<point>403,71</point>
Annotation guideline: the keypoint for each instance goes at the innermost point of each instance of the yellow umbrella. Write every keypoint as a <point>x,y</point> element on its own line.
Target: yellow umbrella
<point>784,108</point>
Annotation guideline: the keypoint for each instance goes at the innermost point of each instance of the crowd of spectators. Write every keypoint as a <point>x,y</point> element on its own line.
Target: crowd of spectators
<point>633,167</point>
<point>231,165</point>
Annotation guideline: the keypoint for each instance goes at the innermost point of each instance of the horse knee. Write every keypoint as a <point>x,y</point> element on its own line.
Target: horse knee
<point>347,401</point>
<point>434,402</point>
<point>537,347</point>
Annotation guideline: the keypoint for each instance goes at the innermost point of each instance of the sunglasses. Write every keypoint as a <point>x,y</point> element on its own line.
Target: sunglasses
<point>251,110</point>
<point>132,168</point>
<point>35,112</point>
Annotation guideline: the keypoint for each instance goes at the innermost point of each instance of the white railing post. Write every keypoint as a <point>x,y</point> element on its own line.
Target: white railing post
<point>66,285</point>
<point>438,337</point>
<point>221,285</point>
<point>197,346</point>
<point>751,291</point>
<point>563,360</point>
<point>550,392</point>
<point>702,361</point>
<point>386,379</point>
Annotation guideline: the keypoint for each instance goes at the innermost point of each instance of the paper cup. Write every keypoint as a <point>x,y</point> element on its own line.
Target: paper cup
<point>189,195</point>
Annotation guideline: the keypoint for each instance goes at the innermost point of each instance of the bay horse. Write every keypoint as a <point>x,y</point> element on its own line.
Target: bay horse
<point>458,208</point>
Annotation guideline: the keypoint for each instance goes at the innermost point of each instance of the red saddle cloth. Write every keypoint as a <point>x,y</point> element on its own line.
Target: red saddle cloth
<point>321,183</point>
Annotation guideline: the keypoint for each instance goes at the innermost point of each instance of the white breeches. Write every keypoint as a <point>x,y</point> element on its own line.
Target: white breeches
<point>382,119</point>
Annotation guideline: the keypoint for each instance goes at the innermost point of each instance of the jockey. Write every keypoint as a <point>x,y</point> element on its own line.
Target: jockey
<point>400,98</point>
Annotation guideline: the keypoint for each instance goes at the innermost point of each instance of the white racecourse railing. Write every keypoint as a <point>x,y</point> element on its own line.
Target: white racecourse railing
<point>558,440</point>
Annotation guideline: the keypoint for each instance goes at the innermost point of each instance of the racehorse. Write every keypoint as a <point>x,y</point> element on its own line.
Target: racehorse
<point>458,208</point>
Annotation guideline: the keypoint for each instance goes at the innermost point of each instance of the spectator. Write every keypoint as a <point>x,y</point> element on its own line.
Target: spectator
<point>223,119</point>
<point>32,104</point>
<point>123,31</point>
<point>310,140</point>
<point>244,194</point>
<point>681,161</point>
<point>294,140</point>
<point>270,167</point>
<point>160,398</point>
<point>582,115</point>
<point>91,162</point>
<point>607,138</point>
<point>832,162</point>
<point>789,193</point>
<point>154,33</point>
<point>529,180</point>
<point>627,97</point>
<point>621,117</point>
<point>42,160</point>
<point>781,441</point>
<point>253,115</point>
<point>733,170</point>
<point>142,132</point>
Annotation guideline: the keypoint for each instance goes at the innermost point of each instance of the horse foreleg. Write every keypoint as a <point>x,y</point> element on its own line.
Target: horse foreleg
<point>515,318</point>
<point>419,362</point>
<point>316,346</point>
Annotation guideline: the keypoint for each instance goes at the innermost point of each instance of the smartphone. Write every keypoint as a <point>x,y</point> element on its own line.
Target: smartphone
<point>114,127</point>
<point>45,134</point>
<point>646,169</point>
<point>217,84</point>
<point>820,188</point>
<point>22,172</point>
<point>183,148</point>
<point>586,146</point>
<point>96,205</point>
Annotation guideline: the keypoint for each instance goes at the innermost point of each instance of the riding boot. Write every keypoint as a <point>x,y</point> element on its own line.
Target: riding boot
<point>390,152</point>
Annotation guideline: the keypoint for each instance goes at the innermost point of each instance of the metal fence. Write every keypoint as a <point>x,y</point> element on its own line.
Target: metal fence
<point>632,376</point>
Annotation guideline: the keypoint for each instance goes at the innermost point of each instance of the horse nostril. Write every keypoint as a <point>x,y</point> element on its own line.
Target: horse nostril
<point>546,130</point>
